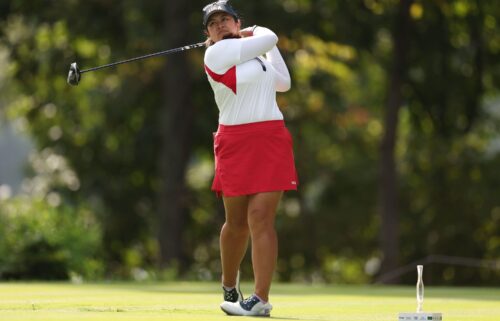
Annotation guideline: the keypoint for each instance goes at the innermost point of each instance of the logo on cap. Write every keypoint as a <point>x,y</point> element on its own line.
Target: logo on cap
<point>218,6</point>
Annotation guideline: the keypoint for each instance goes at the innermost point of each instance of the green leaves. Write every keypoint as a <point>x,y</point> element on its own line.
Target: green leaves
<point>339,54</point>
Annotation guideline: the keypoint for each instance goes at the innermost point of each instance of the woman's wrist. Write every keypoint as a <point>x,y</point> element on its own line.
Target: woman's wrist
<point>248,32</point>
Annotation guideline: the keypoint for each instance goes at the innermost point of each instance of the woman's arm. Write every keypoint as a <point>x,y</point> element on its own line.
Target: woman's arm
<point>283,81</point>
<point>227,53</point>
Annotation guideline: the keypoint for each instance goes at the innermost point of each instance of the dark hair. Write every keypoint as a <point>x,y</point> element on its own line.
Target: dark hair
<point>209,42</point>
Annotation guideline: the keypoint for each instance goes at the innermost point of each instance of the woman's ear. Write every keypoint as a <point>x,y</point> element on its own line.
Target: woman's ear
<point>205,32</point>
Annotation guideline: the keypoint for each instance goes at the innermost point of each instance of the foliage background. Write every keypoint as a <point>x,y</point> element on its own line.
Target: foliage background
<point>123,163</point>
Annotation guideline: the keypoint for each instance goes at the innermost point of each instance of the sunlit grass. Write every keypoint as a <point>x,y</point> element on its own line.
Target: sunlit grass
<point>200,301</point>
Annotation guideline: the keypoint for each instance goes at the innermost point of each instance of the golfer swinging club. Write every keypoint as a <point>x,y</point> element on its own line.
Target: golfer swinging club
<point>254,160</point>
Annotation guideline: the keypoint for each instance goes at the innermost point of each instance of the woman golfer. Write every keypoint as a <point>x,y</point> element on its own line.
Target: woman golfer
<point>254,160</point>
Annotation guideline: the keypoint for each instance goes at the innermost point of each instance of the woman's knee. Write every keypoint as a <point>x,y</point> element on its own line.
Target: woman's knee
<point>236,225</point>
<point>260,219</point>
<point>262,211</point>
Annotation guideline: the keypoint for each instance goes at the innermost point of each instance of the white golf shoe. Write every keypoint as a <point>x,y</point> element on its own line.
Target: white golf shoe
<point>248,307</point>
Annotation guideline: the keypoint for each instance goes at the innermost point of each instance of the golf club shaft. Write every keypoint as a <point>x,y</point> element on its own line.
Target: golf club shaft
<point>196,45</point>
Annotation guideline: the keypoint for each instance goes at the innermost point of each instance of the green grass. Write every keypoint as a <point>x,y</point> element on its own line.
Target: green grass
<point>200,301</point>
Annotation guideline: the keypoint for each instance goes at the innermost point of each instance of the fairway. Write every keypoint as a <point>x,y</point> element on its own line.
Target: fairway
<point>199,301</point>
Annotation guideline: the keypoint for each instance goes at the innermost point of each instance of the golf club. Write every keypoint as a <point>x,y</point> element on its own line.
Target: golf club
<point>75,74</point>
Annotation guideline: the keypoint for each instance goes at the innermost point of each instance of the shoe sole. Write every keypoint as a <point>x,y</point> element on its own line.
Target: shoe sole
<point>244,315</point>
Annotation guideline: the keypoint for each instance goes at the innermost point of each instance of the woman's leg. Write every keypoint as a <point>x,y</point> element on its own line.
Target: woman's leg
<point>233,238</point>
<point>261,216</point>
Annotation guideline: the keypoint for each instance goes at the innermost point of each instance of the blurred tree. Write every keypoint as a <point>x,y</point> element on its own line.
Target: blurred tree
<point>175,124</point>
<point>447,93</point>
<point>388,198</point>
<point>136,139</point>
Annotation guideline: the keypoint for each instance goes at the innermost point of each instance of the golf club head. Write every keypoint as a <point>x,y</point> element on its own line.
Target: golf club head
<point>74,75</point>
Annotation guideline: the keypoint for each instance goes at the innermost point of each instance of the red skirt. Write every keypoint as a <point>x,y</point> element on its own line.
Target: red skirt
<point>253,158</point>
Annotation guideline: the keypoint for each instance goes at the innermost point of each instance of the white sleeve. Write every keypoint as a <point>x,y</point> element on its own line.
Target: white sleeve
<point>283,81</point>
<point>230,52</point>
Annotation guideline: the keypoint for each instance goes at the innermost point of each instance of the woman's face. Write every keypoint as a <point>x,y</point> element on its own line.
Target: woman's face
<point>221,25</point>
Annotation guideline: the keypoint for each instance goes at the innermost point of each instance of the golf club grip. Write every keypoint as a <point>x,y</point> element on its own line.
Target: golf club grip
<point>166,52</point>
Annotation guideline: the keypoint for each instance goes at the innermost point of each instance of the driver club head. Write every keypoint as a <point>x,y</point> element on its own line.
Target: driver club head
<point>74,75</point>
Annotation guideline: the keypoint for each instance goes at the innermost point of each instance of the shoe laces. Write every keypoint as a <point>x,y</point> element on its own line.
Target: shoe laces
<point>249,302</point>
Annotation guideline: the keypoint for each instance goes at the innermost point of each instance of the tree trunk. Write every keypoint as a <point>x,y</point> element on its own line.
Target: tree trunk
<point>388,198</point>
<point>476,23</point>
<point>175,125</point>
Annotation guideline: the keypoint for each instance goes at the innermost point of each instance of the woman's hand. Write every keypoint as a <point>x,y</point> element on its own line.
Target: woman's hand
<point>247,32</point>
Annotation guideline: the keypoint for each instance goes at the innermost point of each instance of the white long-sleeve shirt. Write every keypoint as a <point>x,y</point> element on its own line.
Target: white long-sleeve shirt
<point>245,75</point>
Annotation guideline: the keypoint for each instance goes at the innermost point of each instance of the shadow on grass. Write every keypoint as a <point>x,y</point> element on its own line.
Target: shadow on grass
<point>289,318</point>
<point>471,293</point>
